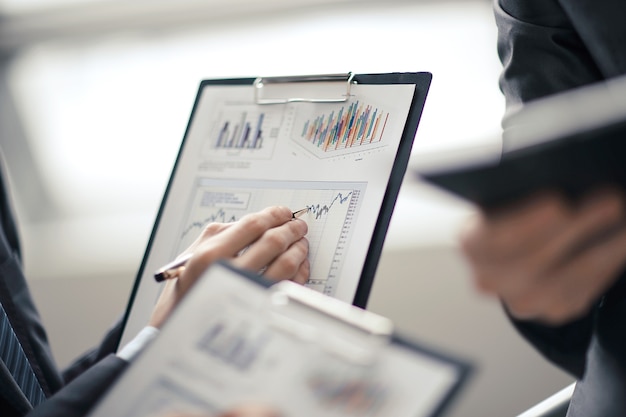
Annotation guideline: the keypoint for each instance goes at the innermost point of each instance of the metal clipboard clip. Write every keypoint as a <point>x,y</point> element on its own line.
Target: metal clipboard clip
<point>340,329</point>
<point>331,88</point>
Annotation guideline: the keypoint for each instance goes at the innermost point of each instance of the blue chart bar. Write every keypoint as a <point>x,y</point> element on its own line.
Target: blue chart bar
<point>240,135</point>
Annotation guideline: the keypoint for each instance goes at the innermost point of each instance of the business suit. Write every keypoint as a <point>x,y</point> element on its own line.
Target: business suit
<point>74,399</point>
<point>546,47</point>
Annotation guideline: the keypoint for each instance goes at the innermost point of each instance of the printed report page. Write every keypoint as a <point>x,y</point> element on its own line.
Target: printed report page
<point>239,157</point>
<point>234,342</point>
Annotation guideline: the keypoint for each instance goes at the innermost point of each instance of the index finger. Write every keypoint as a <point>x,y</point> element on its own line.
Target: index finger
<point>247,230</point>
<point>514,231</point>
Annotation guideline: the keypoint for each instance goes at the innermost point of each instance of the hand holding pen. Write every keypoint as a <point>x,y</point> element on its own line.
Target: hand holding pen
<point>177,266</point>
<point>273,240</point>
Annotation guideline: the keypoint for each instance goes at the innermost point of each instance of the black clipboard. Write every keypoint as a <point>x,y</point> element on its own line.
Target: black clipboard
<point>270,93</point>
<point>570,142</point>
<point>239,338</point>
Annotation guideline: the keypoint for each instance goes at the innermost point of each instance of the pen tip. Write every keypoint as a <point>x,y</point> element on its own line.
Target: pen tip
<point>298,213</point>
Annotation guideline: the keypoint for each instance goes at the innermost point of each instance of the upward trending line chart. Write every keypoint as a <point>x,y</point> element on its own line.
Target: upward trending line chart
<point>319,209</point>
<point>333,208</point>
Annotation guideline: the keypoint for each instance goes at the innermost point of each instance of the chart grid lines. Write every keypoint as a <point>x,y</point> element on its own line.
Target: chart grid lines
<point>333,208</point>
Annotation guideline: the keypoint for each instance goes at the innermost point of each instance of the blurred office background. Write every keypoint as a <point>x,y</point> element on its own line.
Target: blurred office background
<point>94,99</point>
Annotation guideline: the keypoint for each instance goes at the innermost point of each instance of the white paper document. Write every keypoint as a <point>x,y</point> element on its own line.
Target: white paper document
<point>239,157</point>
<point>233,342</point>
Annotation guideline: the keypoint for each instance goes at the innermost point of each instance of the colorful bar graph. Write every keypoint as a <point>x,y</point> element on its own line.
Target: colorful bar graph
<point>350,127</point>
<point>240,135</point>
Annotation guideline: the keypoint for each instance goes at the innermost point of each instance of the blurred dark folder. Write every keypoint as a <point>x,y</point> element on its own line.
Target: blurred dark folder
<point>570,142</point>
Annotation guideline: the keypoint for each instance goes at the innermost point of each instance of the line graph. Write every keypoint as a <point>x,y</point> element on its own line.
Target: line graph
<point>333,207</point>
<point>319,209</point>
<point>220,216</point>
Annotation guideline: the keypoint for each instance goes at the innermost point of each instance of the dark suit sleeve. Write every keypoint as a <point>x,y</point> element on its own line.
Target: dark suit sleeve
<point>79,396</point>
<point>98,368</point>
<point>540,50</point>
<point>566,345</point>
<point>542,54</point>
<point>107,346</point>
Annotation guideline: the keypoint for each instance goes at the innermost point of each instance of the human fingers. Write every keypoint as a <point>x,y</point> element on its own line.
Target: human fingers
<point>249,411</point>
<point>496,245</point>
<point>506,234</point>
<point>304,272</point>
<point>218,241</point>
<point>212,248</point>
<point>280,250</point>
<point>597,214</point>
<point>292,264</point>
<point>234,239</point>
<point>208,232</point>
<point>252,411</point>
<point>571,290</point>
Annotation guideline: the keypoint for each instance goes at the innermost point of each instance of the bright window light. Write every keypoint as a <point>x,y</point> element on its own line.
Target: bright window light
<point>18,6</point>
<point>106,116</point>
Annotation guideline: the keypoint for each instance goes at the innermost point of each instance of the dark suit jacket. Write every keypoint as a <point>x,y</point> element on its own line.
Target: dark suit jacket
<point>70,400</point>
<point>546,47</point>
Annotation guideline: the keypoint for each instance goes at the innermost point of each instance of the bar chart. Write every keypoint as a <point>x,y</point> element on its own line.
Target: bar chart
<point>352,127</point>
<point>244,130</point>
<point>240,134</point>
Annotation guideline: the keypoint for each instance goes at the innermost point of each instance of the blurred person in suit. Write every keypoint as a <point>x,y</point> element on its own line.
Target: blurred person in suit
<point>559,268</point>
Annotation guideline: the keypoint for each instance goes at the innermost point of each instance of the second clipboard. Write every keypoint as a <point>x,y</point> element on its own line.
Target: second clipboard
<point>236,339</point>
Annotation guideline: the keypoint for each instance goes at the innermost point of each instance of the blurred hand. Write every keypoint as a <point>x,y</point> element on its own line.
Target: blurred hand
<point>251,411</point>
<point>547,259</point>
<point>243,411</point>
<point>269,240</point>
